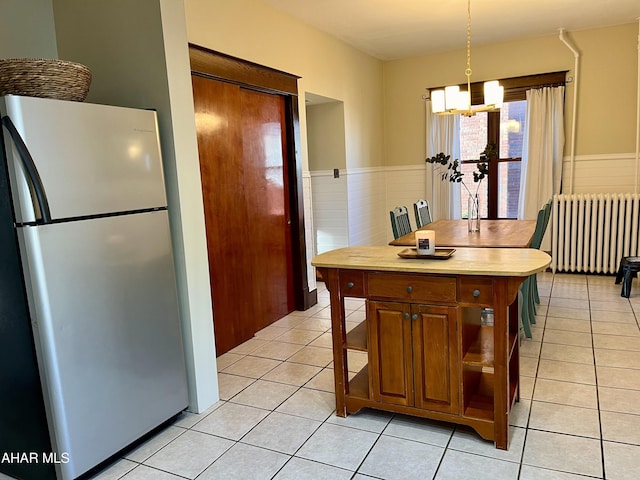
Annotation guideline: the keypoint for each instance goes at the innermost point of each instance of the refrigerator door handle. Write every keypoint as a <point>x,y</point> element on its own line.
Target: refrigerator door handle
<point>30,168</point>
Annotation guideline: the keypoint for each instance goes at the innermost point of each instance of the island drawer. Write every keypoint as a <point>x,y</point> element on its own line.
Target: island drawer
<point>475,290</point>
<point>411,287</point>
<point>352,283</point>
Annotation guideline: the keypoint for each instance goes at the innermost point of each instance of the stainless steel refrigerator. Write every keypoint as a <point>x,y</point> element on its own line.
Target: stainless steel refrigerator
<point>91,353</point>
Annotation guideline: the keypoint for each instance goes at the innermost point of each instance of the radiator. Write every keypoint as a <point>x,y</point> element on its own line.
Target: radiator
<point>592,232</point>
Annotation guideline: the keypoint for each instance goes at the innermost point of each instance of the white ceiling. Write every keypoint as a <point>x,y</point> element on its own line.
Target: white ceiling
<point>393,29</point>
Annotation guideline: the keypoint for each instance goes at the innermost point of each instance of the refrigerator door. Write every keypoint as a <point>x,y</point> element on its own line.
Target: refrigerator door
<point>106,329</point>
<point>92,159</point>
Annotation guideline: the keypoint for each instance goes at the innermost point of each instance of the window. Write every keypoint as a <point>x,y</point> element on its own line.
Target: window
<point>505,129</point>
<point>499,192</point>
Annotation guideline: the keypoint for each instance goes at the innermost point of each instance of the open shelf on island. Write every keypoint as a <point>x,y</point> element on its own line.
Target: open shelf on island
<point>480,352</point>
<point>481,407</point>
<point>359,384</point>
<point>357,337</point>
<point>478,394</point>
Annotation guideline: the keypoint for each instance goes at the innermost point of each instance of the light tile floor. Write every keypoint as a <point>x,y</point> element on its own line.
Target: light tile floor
<point>578,418</point>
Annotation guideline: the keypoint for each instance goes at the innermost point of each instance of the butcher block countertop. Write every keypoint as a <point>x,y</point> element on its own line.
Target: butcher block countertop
<point>509,262</point>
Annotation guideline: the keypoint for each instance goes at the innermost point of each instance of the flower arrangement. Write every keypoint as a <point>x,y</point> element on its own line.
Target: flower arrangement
<point>455,175</point>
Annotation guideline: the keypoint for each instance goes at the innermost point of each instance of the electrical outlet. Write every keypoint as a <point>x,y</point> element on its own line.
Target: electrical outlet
<point>336,173</point>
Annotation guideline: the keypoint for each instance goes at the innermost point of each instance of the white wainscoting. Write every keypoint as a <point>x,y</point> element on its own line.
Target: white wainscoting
<point>310,238</point>
<point>604,173</point>
<point>354,209</point>
<point>330,211</point>
<point>367,203</point>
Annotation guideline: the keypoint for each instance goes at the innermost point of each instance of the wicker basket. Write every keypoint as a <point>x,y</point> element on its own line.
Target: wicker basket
<point>38,77</point>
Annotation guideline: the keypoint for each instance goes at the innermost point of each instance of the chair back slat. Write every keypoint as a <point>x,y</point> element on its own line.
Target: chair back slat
<point>541,225</point>
<point>400,223</point>
<point>422,212</point>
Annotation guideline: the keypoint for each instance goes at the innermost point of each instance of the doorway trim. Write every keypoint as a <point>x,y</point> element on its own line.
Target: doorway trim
<point>219,66</point>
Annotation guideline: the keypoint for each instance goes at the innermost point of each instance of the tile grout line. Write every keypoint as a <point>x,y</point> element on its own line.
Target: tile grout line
<point>595,373</point>
<point>535,381</point>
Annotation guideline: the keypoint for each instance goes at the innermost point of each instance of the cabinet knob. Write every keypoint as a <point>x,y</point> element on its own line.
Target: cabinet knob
<point>476,293</point>
<point>406,316</point>
<point>409,289</point>
<point>350,284</point>
<point>414,316</point>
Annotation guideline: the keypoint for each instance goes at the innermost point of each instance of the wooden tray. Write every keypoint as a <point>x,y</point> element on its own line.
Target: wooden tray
<point>441,253</point>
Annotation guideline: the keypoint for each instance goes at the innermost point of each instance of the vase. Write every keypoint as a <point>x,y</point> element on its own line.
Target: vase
<point>473,212</point>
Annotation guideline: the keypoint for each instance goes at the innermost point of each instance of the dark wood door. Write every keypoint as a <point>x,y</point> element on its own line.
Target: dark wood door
<point>242,150</point>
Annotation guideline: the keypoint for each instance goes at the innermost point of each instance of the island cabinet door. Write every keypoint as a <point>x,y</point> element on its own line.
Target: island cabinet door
<point>390,354</point>
<point>435,358</point>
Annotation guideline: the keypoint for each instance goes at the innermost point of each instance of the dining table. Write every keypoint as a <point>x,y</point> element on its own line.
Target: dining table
<point>503,233</point>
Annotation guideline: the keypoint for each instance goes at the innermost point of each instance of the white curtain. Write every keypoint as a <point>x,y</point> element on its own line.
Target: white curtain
<point>542,150</point>
<point>442,135</point>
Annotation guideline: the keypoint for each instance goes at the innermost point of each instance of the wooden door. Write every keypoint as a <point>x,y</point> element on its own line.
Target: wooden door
<point>390,352</point>
<point>242,150</point>
<point>435,358</point>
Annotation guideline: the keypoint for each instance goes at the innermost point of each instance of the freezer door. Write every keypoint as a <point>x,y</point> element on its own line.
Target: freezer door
<point>106,328</point>
<point>92,159</point>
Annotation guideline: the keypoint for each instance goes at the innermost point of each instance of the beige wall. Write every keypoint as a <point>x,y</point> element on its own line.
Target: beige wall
<point>26,29</point>
<point>325,136</point>
<point>607,90</point>
<point>606,87</point>
<point>253,31</point>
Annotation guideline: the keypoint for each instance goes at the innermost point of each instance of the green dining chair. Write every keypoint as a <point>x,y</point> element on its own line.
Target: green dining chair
<point>400,223</point>
<point>529,288</point>
<point>422,212</point>
<point>547,213</point>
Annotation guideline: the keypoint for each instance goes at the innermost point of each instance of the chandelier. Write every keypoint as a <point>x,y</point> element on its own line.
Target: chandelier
<point>452,100</point>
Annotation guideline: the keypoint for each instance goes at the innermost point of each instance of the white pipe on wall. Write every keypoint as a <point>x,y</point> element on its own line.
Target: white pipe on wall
<point>572,157</point>
<point>638,115</point>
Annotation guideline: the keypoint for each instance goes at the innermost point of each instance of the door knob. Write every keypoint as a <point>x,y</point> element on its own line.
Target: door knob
<point>409,289</point>
<point>476,293</point>
<point>414,316</point>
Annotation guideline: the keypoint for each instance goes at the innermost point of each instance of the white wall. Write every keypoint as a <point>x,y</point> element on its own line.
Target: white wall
<point>601,173</point>
<point>354,209</point>
<point>307,192</point>
<point>368,217</point>
<point>330,211</point>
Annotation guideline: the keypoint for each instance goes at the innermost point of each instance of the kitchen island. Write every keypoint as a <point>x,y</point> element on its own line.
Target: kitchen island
<point>441,336</point>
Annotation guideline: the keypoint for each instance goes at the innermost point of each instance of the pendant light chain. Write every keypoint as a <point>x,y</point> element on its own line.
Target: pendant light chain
<point>452,101</point>
<point>468,70</point>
